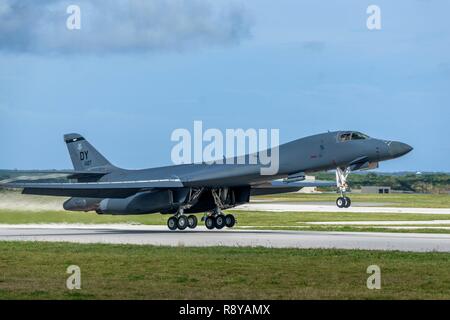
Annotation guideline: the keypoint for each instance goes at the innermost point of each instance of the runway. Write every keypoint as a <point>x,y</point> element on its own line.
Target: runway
<point>304,207</point>
<point>200,237</point>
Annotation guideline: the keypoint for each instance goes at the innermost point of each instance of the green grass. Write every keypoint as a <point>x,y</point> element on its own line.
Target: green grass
<point>38,271</point>
<point>23,217</point>
<point>257,219</point>
<point>391,200</point>
<point>245,218</point>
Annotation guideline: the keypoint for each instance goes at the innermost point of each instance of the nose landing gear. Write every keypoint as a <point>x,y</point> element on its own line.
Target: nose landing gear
<point>341,182</point>
<point>343,202</point>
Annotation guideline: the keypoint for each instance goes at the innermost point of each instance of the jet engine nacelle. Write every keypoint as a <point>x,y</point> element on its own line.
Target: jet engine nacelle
<point>144,202</point>
<point>81,204</point>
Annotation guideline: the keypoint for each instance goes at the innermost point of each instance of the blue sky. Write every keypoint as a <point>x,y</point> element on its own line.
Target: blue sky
<point>301,66</point>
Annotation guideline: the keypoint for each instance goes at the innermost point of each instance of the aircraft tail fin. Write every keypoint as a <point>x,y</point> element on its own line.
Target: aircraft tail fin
<point>83,155</point>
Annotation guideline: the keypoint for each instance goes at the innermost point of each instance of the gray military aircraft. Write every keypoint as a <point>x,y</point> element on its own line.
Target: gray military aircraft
<point>209,188</point>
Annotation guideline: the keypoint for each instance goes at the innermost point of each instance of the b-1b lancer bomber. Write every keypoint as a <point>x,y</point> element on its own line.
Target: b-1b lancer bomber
<point>186,189</point>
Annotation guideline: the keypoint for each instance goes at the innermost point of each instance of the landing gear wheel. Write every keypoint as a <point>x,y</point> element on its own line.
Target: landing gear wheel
<point>348,202</point>
<point>182,222</point>
<point>220,221</point>
<point>210,223</point>
<point>192,221</point>
<point>341,182</point>
<point>340,202</point>
<point>172,223</point>
<point>230,220</point>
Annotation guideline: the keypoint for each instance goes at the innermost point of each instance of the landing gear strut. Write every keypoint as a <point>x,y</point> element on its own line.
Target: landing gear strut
<point>216,219</point>
<point>341,182</point>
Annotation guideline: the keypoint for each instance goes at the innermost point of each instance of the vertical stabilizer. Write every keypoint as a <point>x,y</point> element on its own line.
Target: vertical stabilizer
<point>84,156</point>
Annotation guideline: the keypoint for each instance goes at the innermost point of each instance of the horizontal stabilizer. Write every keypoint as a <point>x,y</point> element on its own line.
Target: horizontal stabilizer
<point>33,175</point>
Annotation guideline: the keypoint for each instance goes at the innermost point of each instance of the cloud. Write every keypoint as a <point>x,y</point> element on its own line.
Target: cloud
<point>114,26</point>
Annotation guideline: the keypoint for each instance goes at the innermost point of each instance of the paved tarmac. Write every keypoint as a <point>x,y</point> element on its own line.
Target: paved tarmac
<point>200,237</point>
<point>303,207</point>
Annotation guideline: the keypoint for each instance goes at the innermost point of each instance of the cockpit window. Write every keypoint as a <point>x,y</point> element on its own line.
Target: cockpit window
<point>347,136</point>
<point>359,136</point>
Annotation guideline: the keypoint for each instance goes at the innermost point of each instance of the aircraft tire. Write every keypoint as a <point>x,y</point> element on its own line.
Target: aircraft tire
<point>182,222</point>
<point>172,223</point>
<point>348,202</point>
<point>230,220</point>
<point>340,202</point>
<point>220,221</point>
<point>192,221</point>
<point>210,223</point>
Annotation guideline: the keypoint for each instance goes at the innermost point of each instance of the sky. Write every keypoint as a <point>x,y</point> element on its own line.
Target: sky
<point>138,70</point>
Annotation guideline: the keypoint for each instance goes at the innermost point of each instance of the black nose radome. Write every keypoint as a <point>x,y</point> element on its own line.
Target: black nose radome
<point>398,149</point>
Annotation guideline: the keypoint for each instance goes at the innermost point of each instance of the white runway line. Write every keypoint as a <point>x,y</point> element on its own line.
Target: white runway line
<point>296,207</point>
<point>381,223</point>
<point>200,237</point>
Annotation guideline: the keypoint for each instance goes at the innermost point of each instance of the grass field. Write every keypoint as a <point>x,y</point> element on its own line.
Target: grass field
<point>38,271</point>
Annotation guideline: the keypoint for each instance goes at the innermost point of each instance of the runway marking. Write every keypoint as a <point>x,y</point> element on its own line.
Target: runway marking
<point>381,223</point>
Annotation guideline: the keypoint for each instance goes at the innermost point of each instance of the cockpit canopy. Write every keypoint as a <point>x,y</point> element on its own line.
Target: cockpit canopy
<point>352,135</point>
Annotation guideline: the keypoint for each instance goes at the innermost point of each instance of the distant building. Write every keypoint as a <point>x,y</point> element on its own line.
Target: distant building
<point>375,189</point>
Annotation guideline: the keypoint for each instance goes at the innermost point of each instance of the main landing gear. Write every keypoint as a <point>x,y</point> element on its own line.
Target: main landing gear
<point>218,220</point>
<point>181,221</point>
<point>341,182</point>
<point>212,221</point>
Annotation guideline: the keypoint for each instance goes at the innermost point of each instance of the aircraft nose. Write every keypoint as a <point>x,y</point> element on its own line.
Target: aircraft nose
<point>398,149</point>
